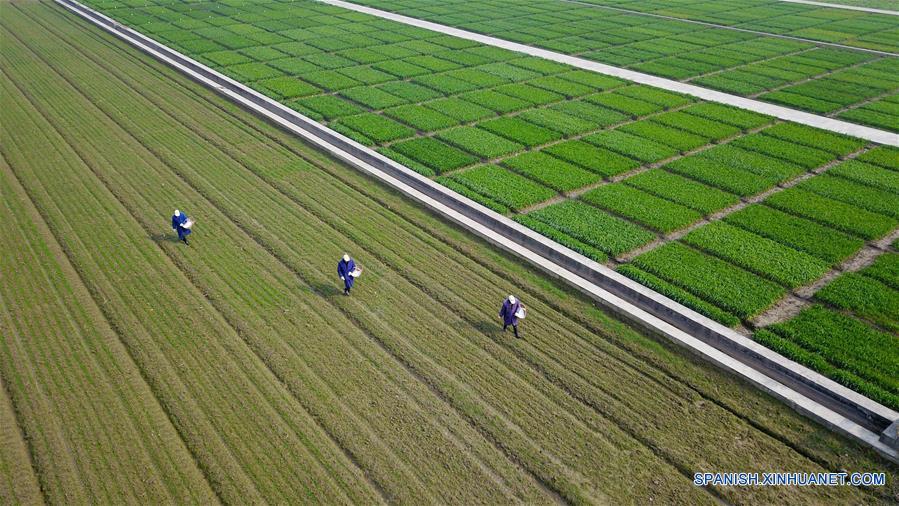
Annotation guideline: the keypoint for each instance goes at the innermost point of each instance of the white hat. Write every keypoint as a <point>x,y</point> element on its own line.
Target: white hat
<point>512,299</point>
<point>346,257</point>
<point>177,212</point>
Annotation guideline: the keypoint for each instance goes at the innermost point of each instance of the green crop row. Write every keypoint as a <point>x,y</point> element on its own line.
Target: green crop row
<point>445,84</point>
<point>872,116</point>
<point>679,295</point>
<point>839,215</point>
<point>756,163</point>
<point>378,128</point>
<point>801,234</point>
<point>593,226</point>
<point>883,156</point>
<point>518,130</point>
<point>732,289</point>
<point>557,174</point>
<point>408,162</point>
<point>601,161</point>
<point>730,83</point>
<point>373,98</point>
<point>729,115</point>
<point>804,156</point>
<point>553,119</point>
<point>480,142</point>
<point>857,194</point>
<point>562,238</point>
<point>654,212</point>
<point>758,254</point>
<point>697,125</point>
<point>832,90</point>
<point>459,109</point>
<point>885,269</point>
<point>666,99</point>
<point>865,297</point>
<point>529,93</point>
<point>628,105</point>
<point>678,139</point>
<point>636,147</point>
<point>788,99</point>
<point>434,154</point>
<point>461,189</point>
<point>421,118</point>
<point>496,101</point>
<point>840,347</point>
<point>681,190</point>
<point>503,186</point>
<point>721,175</point>
<point>328,106</point>
<point>813,137</point>
<point>600,116</point>
<point>868,174</point>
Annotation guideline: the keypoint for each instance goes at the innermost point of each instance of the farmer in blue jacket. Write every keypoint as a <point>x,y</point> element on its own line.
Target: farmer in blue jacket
<point>345,268</point>
<point>509,313</point>
<point>179,220</point>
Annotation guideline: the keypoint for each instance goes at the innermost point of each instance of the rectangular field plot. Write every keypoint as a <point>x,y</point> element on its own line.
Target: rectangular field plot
<point>681,190</point>
<point>480,142</point>
<point>729,287</point>
<point>552,172</point>
<point>842,347</point>
<point>851,192</point>
<point>802,234</point>
<point>722,175</point>
<point>763,256</point>
<point>601,161</point>
<point>865,297</point>
<point>836,214</point>
<point>592,226</point>
<point>503,186</point>
<point>651,211</point>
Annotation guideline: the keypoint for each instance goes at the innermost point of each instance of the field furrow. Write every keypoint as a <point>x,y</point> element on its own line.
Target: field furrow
<point>233,378</point>
<point>18,481</point>
<point>106,401</point>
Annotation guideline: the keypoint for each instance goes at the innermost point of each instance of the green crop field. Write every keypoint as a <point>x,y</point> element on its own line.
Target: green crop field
<point>135,369</point>
<point>613,171</point>
<point>742,55</point>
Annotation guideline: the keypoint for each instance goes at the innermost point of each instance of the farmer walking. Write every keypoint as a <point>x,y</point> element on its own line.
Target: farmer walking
<point>346,269</point>
<point>511,311</point>
<point>181,224</point>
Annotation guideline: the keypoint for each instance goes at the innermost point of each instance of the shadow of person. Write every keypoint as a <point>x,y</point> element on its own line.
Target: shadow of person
<point>490,328</point>
<point>327,290</point>
<point>163,237</point>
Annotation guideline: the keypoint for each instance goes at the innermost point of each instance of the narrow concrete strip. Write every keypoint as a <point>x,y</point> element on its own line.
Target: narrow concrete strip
<point>845,7</point>
<point>733,28</point>
<point>785,113</point>
<point>545,254</point>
